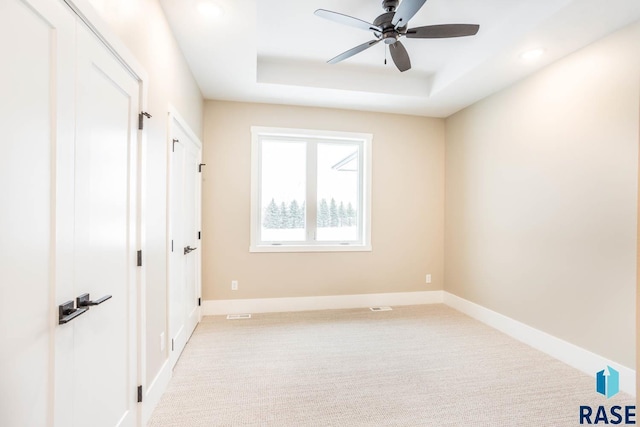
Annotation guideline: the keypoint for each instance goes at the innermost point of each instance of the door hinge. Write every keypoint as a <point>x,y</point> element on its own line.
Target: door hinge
<point>139,258</point>
<point>199,302</point>
<point>200,166</point>
<point>171,344</point>
<point>173,147</point>
<point>141,117</point>
<point>139,393</point>
<point>199,235</point>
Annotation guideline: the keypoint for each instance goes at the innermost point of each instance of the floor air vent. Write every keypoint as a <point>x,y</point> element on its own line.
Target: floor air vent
<point>238,316</point>
<point>380,308</point>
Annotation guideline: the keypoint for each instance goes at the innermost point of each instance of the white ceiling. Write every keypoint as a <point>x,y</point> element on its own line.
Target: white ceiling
<point>276,51</point>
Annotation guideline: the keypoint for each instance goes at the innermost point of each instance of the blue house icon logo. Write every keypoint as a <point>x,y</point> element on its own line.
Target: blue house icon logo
<point>608,382</point>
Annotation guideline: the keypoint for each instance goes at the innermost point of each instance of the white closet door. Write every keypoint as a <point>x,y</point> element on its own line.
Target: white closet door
<point>177,284</point>
<point>184,286</point>
<point>191,229</point>
<point>36,191</point>
<point>68,114</point>
<point>105,349</point>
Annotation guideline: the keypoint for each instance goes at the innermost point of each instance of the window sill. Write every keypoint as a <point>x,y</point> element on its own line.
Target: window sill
<point>310,248</point>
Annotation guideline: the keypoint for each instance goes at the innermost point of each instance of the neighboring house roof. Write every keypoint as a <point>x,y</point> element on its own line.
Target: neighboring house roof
<point>348,164</point>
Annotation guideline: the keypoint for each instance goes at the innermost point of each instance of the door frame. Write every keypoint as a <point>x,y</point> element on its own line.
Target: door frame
<point>173,114</point>
<point>88,15</point>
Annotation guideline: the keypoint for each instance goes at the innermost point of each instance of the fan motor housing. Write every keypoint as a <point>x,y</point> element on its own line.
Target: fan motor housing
<point>390,34</point>
<point>384,21</point>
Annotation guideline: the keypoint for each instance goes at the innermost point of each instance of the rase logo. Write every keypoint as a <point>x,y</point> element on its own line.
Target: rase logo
<point>608,384</point>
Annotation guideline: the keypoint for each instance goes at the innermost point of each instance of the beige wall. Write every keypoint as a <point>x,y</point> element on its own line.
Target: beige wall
<point>541,193</point>
<point>407,207</point>
<point>142,26</point>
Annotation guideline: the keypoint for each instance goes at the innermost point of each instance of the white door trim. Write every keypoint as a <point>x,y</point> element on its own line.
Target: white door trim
<point>173,112</point>
<point>101,29</point>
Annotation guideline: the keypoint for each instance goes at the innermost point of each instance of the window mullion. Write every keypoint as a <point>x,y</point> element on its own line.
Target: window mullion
<point>256,189</point>
<point>361,193</point>
<point>312,191</point>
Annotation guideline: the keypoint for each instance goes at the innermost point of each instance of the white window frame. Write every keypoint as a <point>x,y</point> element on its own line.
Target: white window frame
<point>259,133</point>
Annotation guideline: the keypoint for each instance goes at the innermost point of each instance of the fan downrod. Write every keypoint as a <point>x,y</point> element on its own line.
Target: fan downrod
<point>390,5</point>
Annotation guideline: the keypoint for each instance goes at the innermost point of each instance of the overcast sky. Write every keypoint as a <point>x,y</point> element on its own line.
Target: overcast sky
<point>284,173</point>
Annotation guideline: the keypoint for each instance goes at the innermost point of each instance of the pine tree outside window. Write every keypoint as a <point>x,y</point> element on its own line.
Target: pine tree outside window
<point>310,190</point>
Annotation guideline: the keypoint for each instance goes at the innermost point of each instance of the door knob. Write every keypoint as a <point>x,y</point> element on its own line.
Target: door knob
<point>84,300</point>
<point>189,249</point>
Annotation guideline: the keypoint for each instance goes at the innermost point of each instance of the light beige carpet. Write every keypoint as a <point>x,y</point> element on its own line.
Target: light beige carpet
<point>413,366</point>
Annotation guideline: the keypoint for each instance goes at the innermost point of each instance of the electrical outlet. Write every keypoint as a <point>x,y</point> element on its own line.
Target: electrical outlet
<point>428,278</point>
<point>162,341</point>
<point>234,285</point>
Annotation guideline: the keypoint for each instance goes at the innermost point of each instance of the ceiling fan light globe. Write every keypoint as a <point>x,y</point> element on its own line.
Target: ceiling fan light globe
<point>390,37</point>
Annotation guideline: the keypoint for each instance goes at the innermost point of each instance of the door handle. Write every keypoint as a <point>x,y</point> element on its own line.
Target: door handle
<point>189,249</point>
<point>67,312</point>
<point>84,300</point>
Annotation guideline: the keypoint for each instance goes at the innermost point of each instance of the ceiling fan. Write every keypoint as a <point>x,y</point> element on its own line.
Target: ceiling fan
<point>392,25</point>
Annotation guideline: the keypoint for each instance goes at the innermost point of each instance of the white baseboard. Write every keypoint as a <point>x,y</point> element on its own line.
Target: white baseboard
<point>271,305</point>
<point>571,354</point>
<point>154,392</point>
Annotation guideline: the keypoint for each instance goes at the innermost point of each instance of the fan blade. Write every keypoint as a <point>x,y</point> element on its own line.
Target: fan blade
<point>443,31</point>
<point>400,56</point>
<point>347,20</point>
<point>405,11</point>
<point>353,51</point>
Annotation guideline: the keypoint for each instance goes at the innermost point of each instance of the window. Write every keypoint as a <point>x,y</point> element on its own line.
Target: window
<point>310,190</point>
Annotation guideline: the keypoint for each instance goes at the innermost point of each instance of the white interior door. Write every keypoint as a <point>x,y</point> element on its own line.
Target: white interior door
<point>68,221</point>
<point>104,348</point>
<point>36,211</point>
<point>184,200</point>
<point>177,284</point>
<point>192,233</point>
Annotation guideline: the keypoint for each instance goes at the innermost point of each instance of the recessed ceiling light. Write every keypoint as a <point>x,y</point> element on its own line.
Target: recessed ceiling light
<point>210,9</point>
<point>532,55</point>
